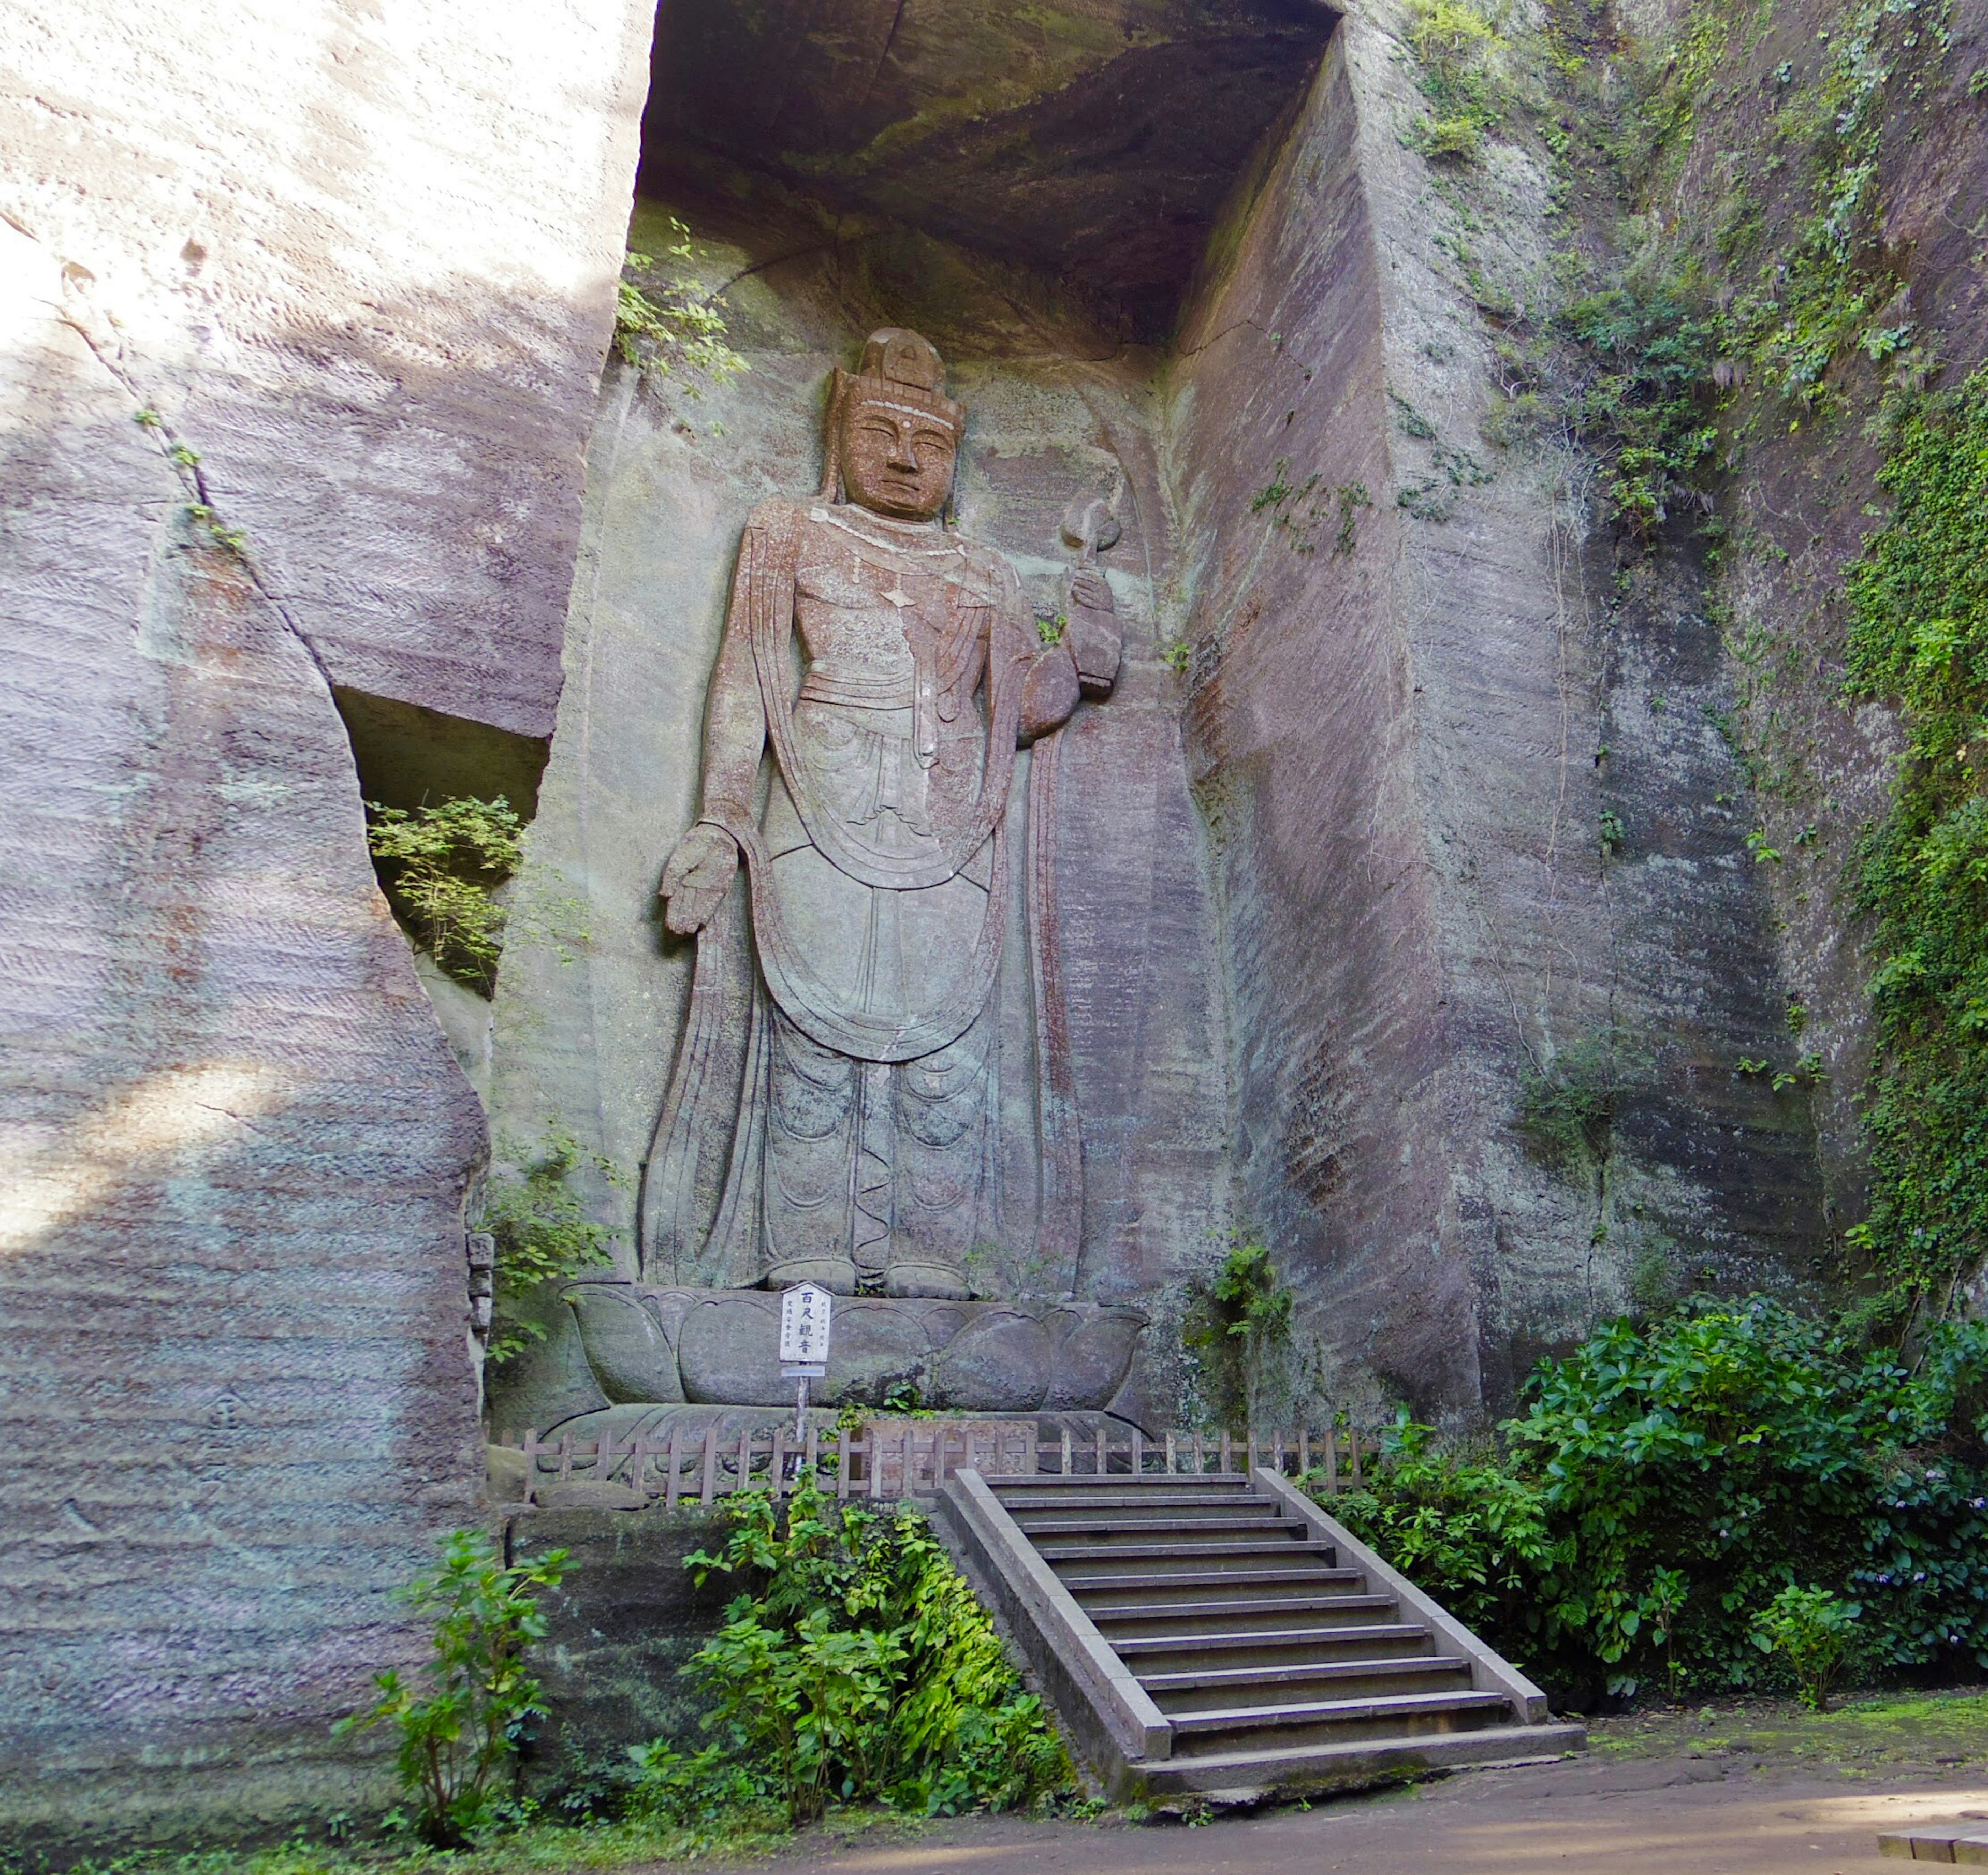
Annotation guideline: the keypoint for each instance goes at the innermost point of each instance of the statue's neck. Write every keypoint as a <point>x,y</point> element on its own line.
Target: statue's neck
<point>856,511</point>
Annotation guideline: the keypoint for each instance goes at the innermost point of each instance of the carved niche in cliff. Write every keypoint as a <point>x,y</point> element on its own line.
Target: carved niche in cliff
<point>872,1091</point>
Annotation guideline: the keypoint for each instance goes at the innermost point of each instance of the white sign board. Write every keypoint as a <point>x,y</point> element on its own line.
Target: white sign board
<point>804,1317</point>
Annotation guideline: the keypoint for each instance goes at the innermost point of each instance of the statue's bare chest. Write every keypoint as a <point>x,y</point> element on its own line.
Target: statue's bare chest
<point>861,604</point>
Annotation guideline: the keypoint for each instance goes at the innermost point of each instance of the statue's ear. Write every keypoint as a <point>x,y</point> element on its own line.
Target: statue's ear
<point>831,437</point>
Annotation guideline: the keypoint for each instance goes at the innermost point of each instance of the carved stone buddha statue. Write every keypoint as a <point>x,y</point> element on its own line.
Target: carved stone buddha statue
<point>872,1091</point>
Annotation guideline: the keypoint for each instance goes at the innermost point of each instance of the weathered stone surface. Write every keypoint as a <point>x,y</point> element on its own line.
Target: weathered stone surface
<point>1094,141</point>
<point>619,1628</point>
<point>1396,746</point>
<point>360,269</point>
<point>720,1347</point>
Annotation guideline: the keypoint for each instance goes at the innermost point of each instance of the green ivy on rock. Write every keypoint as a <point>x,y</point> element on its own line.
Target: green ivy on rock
<point>1918,639</point>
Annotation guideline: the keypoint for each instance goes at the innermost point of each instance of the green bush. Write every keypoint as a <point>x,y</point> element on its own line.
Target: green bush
<point>460,1734</point>
<point>1814,1631</point>
<point>861,1669</point>
<point>439,864</point>
<point>1664,1484</point>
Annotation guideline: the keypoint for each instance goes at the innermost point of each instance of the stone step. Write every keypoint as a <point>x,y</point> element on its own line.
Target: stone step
<point>1326,1721</point>
<point>1168,1613</point>
<point>1009,1489</point>
<point>1274,1544</point>
<point>1299,1673</point>
<point>1221,1641</point>
<point>1354,1763</point>
<point>1197,1641</point>
<point>1275,1644</point>
<point>1074,1519</point>
<point>1144,1584</point>
<point>1180,1692</point>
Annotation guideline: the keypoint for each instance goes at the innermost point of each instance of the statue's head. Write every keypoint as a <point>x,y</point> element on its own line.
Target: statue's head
<point>892,433</point>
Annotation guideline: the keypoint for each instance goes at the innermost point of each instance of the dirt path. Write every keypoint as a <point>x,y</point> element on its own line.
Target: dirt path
<point>1757,1791</point>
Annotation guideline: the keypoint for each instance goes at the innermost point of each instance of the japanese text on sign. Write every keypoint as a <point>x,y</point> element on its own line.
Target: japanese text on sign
<point>804,1315</point>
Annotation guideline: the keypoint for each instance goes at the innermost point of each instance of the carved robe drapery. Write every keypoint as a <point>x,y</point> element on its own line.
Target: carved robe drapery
<point>873,1075</point>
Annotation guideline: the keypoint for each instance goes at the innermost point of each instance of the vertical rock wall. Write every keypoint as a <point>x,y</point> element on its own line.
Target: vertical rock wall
<point>301,312</point>
<point>1403,687</point>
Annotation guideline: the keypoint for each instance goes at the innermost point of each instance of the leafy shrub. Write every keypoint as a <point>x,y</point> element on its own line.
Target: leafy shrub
<point>439,863</point>
<point>863,1669</point>
<point>459,1735</point>
<point>544,1232</point>
<point>1664,1484</point>
<point>1238,1327</point>
<point>1813,1631</point>
<point>1918,598</point>
<point>1453,45</point>
<point>670,327</point>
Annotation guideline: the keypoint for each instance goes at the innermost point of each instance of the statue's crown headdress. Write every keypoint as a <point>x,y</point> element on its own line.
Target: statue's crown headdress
<point>899,369</point>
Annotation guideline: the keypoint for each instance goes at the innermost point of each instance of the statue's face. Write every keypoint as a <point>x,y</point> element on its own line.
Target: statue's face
<point>896,461</point>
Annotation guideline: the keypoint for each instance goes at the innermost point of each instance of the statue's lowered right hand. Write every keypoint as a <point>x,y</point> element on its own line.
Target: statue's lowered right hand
<point>696,878</point>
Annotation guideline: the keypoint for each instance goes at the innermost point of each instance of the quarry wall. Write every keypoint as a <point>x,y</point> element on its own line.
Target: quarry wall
<point>304,309</point>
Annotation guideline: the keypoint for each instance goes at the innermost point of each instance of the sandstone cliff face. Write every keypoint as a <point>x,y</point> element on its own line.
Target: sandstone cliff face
<point>1404,687</point>
<point>357,275</point>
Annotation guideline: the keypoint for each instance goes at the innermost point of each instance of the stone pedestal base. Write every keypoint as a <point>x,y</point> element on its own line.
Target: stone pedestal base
<point>720,1348</point>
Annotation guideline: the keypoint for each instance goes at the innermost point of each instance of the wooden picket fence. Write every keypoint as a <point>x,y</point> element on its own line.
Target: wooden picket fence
<point>914,1457</point>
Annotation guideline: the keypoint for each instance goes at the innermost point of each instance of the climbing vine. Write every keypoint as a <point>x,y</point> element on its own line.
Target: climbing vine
<point>1918,597</point>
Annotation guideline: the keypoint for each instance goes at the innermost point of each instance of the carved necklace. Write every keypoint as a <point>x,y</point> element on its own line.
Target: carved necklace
<point>947,548</point>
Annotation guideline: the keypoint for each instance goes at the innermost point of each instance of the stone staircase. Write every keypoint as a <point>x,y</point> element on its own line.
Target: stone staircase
<point>1219,1634</point>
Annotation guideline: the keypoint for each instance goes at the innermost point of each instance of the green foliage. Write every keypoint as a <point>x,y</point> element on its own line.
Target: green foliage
<point>670,327</point>
<point>1814,1631</point>
<point>1050,631</point>
<point>1663,1484</point>
<point>1238,1327</point>
<point>439,864</point>
<point>1610,832</point>
<point>1567,1110</point>
<point>862,1669</point>
<point>460,1730</point>
<point>1454,46</point>
<point>1918,638</point>
<point>1644,407</point>
<point>1352,496</point>
<point>544,1232</point>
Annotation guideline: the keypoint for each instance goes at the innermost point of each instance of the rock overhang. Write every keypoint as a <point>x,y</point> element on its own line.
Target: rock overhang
<point>1095,142</point>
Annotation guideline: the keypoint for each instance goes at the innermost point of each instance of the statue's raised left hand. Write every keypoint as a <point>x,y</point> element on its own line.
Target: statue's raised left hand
<point>696,878</point>
<point>1089,588</point>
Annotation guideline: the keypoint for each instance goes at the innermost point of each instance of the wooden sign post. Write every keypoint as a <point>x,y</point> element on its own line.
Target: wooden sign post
<point>805,1312</point>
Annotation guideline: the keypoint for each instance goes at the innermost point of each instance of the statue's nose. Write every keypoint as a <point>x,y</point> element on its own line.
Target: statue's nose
<point>903,456</point>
